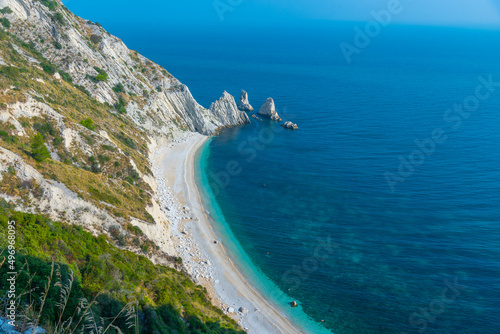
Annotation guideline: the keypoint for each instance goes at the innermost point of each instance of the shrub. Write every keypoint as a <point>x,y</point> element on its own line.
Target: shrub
<point>50,4</point>
<point>48,67</point>
<point>3,35</point>
<point>101,75</point>
<point>88,123</point>
<point>57,141</point>
<point>46,129</point>
<point>88,139</point>
<point>83,90</point>
<point>58,46</point>
<point>6,10</point>
<point>5,22</point>
<point>126,140</point>
<point>103,158</point>
<point>66,76</point>
<point>96,39</point>
<point>120,105</point>
<point>58,18</point>
<point>109,148</point>
<point>39,151</point>
<point>119,88</point>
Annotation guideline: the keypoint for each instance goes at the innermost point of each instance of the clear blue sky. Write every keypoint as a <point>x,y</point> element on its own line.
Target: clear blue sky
<point>284,12</point>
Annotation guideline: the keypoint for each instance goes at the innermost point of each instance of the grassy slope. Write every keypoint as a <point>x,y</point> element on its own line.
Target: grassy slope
<point>169,302</point>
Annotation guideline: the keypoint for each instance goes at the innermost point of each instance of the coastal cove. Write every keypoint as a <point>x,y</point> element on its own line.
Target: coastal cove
<point>396,251</point>
<point>247,177</point>
<point>215,265</point>
<point>242,263</point>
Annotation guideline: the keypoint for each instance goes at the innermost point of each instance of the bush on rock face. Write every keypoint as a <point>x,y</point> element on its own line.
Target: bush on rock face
<point>96,39</point>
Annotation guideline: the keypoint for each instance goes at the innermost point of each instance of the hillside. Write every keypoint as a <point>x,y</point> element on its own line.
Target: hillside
<point>81,116</point>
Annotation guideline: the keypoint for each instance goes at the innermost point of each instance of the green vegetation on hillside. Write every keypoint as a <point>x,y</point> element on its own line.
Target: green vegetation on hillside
<point>88,123</point>
<point>6,10</point>
<point>123,289</point>
<point>58,18</point>
<point>5,22</point>
<point>119,88</point>
<point>38,149</point>
<point>101,75</point>
<point>50,4</point>
<point>109,176</point>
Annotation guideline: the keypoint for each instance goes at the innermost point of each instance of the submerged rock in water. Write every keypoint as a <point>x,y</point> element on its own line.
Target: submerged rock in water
<point>290,125</point>
<point>294,304</point>
<point>268,109</point>
<point>244,104</point>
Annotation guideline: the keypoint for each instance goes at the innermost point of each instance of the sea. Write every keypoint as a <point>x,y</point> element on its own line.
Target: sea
<point>381,213</point>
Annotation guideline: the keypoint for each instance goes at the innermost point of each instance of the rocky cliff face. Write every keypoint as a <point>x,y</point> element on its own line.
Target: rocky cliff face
<point>102,64</point>
<point>226,111</point>
<point>102,110</point>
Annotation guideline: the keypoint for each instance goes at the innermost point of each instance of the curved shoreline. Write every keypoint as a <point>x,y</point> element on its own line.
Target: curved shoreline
<point>210,264</point>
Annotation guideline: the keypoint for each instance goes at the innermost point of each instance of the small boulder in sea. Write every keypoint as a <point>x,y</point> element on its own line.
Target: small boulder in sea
<point>268,109</point>
<point>244,104</point>
<point>243,310</point>
<point>290,125</point>
<point>294,304</point>
<point>230,310</point>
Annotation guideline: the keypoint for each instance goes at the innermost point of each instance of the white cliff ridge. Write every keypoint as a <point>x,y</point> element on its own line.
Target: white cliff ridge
<point>244,104</point>
<point>268,109</point>
<point>160,104</point>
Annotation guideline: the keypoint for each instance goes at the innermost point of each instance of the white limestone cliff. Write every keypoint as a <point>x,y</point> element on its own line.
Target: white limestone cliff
<point>165,103</point>
<point>226,111</point>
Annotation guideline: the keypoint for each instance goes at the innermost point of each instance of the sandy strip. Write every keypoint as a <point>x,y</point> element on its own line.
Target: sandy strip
<point>208,263</point>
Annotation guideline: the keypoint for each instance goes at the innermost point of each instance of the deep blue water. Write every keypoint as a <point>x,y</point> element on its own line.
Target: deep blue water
<point>423,257</point>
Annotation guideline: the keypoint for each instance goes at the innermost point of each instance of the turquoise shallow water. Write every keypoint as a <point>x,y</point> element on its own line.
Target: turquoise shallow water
<point>240,256</point>
<point>312,211</point>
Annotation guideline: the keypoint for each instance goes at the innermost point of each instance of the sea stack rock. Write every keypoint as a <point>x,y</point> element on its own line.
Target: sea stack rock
<point>294,304</point>
<point>226,111</point>
<point>289,125</point>
<point>268,109</point>
<point>243,104</point>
